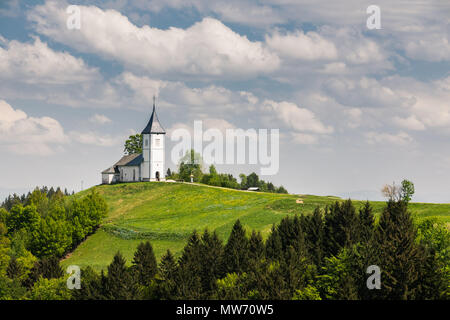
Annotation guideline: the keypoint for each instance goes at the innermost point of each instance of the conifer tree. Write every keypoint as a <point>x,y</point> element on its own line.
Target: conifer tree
<point>274,248</point>
<point>256,247</point>
<point>14,270</point>
<point>367,222</point>
<point>236,251</point>
<point>211,252</point>
<point>190,267</point>
<point>341,227</point>
<point>144,264</point>
<point>399,255</point>
<point>313,226</point>
<point>167,273</point>
<point>119,282</point>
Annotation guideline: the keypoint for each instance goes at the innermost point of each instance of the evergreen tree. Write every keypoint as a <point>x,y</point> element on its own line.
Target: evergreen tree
<point>14,270</point>
<point>144,265</point>
<point>274,247</point>
<point>256,248</point>
<point>367,222</point>
<point>167,273</point>
<point>313,226</point>
<point>236,251</point>
<point>190,267</point>
<point>211,251</point>
<point>341,227</point>
<point>399,255</point>
<point>119,282</point>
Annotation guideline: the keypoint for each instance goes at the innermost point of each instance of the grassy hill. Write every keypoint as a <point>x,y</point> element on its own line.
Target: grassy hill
<point>166,213</point>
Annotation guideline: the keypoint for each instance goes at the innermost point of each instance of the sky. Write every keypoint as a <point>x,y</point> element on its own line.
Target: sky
<point>356,108</point>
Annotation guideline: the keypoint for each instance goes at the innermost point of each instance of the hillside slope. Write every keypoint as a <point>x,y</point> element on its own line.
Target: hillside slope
<point>166,213</point>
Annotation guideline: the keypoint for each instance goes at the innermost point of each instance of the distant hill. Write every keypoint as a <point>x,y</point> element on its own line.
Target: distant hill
<point>166,213</point>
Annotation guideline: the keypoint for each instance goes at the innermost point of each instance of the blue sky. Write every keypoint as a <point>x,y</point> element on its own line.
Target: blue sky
<point>356,108</point>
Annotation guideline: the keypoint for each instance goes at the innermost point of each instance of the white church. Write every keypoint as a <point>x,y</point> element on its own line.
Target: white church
<point>145,166</point>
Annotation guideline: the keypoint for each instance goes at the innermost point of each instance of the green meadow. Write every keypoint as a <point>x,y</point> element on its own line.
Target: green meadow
<point>166,214</point>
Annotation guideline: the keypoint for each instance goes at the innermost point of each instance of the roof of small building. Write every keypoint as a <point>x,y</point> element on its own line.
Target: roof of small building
<point>153,125</point>
<point>133,159</point>
<point>110,170</point>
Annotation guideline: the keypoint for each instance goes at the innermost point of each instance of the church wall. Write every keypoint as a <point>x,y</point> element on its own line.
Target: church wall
<point>129,173</point>
<point>157,156</point>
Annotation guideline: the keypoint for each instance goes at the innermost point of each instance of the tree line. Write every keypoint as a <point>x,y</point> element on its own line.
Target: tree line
<point>191,165</point>
<point>38,229</point>
<point>323,255</point>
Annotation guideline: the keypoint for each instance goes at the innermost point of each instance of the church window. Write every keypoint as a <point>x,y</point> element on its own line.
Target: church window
<point>146,142</point>
<point>157,142</point>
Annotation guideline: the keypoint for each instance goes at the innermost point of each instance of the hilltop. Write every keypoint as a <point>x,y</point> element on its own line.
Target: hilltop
<point>166,213</point>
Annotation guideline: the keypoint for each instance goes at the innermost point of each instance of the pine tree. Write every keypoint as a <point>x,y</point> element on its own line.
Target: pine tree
<point>313,226</point>
<point>14,270</point>
<point>341,227</point>
<point>144,265</point>
<point>400,256</point>
<point>167,273</point>
<point>236,251</point>
<point>211,251</point>
<point>256,247</point>
<point>119,282</point>
<point>274,248</point>
<point>190,267</point>
<point>367,222</point>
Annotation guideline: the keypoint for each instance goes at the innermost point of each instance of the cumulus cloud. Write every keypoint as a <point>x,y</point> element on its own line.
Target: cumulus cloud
<point>26,135</point>
<point>96,138</point>
<point>36,63</point>
<point>400,138</point>
<point>298,45</point>
<point>296,118</point>
<point>208,47</point>
<point>100,119</point>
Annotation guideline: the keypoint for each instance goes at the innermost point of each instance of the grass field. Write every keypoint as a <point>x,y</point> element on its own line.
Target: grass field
<point>166,213</point>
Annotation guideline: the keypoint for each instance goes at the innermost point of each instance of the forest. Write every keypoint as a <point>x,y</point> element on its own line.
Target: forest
<point>323,256</point>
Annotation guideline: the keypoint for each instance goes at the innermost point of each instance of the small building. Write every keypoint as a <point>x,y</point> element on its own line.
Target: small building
<point>145,166</point>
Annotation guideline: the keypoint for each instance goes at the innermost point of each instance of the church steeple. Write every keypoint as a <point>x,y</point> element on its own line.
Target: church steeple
<point>153,125</point>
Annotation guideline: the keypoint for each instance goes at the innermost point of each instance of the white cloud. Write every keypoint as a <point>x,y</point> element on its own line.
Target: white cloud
<point>298,45</point>
<point>36,63</point>
<point>208,47</point>
<point>410,123</point>
<point>400,138</point>
<point>26,135</point>
<point>304,138</point>
<point>100,119</point>
<point>96,138</point>
<point>296,118</point>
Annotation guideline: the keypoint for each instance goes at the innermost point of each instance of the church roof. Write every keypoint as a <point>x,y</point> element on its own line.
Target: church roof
<point>134,159</point>
<point>153,125</point>
<point>110,170</point>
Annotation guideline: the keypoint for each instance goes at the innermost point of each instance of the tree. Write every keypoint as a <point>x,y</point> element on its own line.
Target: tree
<point>367,222</point>
<point>190,267</point>
<point>399,254</point>
<point>190,163</point>
<point>119,283</point>
<point>236,251</point>
<point>341,227</point>
<point>407,190</point>
<point>50,289</point>
<point>313,226</point>
<point>167,273</point>
<point>144,264</point>
<point>133,144</point>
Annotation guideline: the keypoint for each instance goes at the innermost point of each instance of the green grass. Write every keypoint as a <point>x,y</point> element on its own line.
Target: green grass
<point>166,213</point>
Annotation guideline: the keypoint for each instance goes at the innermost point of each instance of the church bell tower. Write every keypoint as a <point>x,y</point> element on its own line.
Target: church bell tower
<point>153,142</point>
